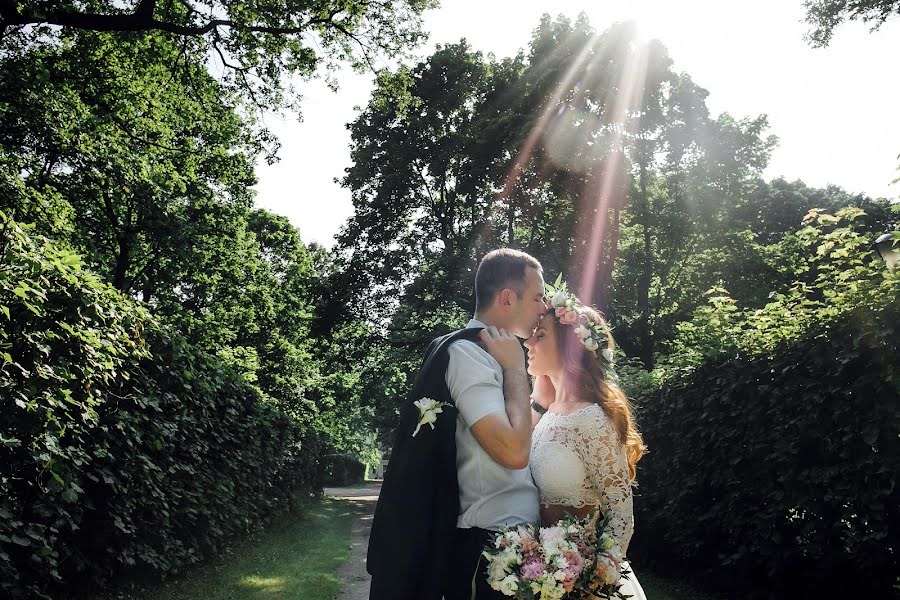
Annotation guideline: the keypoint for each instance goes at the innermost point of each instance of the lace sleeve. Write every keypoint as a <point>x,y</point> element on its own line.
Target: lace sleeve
<point>607,470</point>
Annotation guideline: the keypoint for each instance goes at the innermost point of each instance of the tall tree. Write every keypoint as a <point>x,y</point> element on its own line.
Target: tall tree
<point>676,229</point>
<point>106,131</point>
<point>555,153</point>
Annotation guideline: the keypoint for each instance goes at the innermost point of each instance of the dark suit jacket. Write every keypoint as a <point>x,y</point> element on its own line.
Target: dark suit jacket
<point>415,518</point>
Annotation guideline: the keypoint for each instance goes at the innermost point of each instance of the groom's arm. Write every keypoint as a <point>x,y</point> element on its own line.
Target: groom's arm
<point>495,408</point>
<point>506,436</point>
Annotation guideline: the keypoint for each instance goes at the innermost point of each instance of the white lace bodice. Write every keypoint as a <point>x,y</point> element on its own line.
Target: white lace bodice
<point>577,460</point>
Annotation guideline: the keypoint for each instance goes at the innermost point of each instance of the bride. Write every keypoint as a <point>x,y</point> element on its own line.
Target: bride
<point>585,444</point>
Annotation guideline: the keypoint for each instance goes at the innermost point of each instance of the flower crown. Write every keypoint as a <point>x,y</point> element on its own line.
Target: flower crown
<point>568,310</point>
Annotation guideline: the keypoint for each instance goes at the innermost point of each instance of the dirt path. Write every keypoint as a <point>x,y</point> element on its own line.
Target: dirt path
<point>352,573</point>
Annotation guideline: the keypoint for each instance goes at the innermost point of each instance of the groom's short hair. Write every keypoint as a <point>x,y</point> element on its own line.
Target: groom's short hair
<point>501,269</point>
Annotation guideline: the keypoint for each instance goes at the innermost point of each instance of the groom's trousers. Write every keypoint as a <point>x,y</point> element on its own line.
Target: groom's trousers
<point>468,575</point>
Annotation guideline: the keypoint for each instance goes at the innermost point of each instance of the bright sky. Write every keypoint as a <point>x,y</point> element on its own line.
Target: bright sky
<point>835,109</point>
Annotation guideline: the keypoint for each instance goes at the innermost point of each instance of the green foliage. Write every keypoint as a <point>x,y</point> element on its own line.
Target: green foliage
<point>463,153</point>
<point>835,272</point>
<point>255,45</point>
<point>343,470</point>
<point>125,449</point>
<point>126,150</point>
<point>156,163</point>
<point>773,442</point>
<point>826,15</point>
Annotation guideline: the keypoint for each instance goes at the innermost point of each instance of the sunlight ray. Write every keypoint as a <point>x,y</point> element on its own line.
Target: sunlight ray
<point>550,109</point>
<point>628,101</point>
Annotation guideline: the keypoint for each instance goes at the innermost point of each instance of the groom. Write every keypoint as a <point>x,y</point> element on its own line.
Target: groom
<point>455,482</point>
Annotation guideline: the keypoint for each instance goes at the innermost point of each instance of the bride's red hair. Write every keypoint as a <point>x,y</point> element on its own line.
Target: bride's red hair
<point>592,385</point>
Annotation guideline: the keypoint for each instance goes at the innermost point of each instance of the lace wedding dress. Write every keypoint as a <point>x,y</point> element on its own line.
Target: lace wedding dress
<point>577,461</point>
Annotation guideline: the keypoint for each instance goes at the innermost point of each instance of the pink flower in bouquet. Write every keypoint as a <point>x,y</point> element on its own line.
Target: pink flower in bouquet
<point>532,568</point>
<point>561,312</point>
<point>569,318</point>
<point>575,563</point>
<point>574,566</point>
<point>529,545</point>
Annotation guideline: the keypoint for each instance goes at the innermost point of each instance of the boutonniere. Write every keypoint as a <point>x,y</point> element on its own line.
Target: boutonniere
<point>428,411</point>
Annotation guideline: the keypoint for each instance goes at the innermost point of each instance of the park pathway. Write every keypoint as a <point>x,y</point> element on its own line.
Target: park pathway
<point>352,573</point>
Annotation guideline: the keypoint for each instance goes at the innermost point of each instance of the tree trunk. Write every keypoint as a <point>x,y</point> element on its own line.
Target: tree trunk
<point>121,268</point>
<point>611,233</point>
<point>645,339</point>
<point>601,290</point>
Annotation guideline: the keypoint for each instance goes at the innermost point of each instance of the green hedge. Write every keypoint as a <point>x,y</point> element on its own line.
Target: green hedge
<point>343,469</point>
<point>124,451</point>
<point>777,476</point>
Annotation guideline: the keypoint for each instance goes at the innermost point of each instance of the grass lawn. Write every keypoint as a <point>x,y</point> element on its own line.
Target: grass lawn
<point>664,588</point>
<point>294,559</point>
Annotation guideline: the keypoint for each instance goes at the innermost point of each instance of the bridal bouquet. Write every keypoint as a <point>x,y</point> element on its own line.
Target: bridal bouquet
<point>574,559</point>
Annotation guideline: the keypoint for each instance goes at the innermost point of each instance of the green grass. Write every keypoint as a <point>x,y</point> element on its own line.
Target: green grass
<point>657,587</point>
<point>295,558</point>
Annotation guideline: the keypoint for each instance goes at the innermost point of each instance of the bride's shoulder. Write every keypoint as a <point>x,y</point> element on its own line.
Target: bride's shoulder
<point>587,413</point>
<point>594,415</point>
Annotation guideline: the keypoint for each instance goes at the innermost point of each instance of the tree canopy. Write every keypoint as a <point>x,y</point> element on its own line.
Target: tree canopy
<point>826,15</point>
<point>257,44</point>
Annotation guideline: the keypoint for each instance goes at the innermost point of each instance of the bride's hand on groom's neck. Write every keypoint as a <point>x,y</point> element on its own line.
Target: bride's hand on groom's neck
<point>504,347</point>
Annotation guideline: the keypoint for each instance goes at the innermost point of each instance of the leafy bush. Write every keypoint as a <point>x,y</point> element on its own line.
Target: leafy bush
<point>774,457</point>
<point>124,451</point>
<point>343,469</point>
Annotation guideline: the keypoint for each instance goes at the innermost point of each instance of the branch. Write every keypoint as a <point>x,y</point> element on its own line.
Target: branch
<point>110,211</point>
<point>142,20</point>
<point>242,71</point>
<point>148,260</point>
<point>136,138</point>
<point>427,187</point>
<point>671,280</point>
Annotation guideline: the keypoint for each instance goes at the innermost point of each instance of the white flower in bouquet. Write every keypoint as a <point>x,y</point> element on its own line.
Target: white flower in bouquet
<point>582,332</point>
<point>552,534</point>
<point>508,586</point>
<point>509,558</point>
<point>591,345</point>
<point>559,560</point>
<point>607,354</point>
<point>497,573</point>
<point>513,537</point>
<point>552,540</point>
